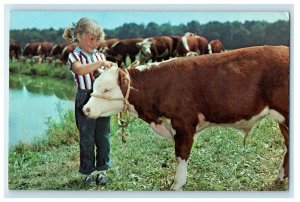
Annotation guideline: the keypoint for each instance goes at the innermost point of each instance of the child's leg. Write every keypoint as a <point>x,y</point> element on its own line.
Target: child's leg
<point>86,127</point>
<point>102,140</point>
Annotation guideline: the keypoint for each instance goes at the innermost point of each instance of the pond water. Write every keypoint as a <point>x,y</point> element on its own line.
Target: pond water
<point>32,101</point>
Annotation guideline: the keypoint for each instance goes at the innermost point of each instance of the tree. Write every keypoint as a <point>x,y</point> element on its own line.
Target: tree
<point>278,33</point>
<point>232,34</point>
<point>152,29</point>
<point>130,30</point>
<point>193,27</point>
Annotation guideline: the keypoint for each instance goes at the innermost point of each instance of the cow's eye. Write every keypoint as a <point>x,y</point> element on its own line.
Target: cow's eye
<point>106,90</point>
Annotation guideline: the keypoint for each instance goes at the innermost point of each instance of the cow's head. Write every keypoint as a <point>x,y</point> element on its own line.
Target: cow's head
<point>107,95</point>
<point>145,47</point>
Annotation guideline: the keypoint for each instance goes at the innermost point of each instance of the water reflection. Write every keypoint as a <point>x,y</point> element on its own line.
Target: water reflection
<point>32,100</point>
<point>63,89</point>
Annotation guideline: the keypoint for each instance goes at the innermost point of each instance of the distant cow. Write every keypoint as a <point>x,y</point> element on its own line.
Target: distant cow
<point>175,40</point>
<point>155,48</point>
<point>37,50</point>
<point>103,47</point>
<point>68,49</point>
<point>190,34</point>
<point>30,49</point>
<point>122,49</point>
<point>14,51</point>
<point>196,44</point>
<point>57,49</point>
<point>44,49</point>
<point>175,97</point>
<point>215,46</point>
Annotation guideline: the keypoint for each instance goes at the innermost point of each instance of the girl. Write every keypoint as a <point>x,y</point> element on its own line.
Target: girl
<point>83,62</point>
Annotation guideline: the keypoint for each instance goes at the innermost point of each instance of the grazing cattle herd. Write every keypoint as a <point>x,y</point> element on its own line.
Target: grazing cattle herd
<point>179,92</point>
<point>122,51</point>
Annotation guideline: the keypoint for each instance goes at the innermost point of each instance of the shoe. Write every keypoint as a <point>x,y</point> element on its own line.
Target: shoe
<point>101,178</point>
<point>89,180</point>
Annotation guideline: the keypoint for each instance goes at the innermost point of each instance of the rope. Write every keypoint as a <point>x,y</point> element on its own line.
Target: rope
<point>122,122</point>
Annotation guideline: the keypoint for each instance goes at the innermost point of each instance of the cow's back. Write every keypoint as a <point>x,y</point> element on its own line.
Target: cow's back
<point>225,87</point>
<point>127,46</point>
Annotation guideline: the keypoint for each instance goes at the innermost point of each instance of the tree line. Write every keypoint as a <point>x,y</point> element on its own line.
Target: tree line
<point>232,34</point>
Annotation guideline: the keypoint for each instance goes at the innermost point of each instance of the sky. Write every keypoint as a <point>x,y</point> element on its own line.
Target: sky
<point>113,19</point>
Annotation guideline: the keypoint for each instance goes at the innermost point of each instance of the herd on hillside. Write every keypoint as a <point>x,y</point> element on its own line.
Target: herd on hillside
<point>153,49</point>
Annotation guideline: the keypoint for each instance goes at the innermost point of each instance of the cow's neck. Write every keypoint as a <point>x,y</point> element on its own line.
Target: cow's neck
<point>142,105</point>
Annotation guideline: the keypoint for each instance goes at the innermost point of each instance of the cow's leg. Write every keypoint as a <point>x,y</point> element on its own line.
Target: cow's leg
<point>283,120</point>
<point>183,145</point>
<point>284,167</point>
<point>180,175</point>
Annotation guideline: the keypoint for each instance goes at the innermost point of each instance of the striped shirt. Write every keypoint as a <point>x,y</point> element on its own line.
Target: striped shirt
<point>84,82</point>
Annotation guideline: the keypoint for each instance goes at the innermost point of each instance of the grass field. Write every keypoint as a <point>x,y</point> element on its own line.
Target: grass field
<point>219,161</point>
<point>44,69</point>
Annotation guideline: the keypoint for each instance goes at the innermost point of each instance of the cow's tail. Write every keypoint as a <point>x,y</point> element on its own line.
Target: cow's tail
<point>209,49</point>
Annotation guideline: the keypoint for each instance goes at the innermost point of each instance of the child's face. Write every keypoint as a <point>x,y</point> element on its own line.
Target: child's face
<point>88,42</point>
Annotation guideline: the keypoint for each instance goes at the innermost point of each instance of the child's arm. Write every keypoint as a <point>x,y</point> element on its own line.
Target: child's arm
<point>81,69</point>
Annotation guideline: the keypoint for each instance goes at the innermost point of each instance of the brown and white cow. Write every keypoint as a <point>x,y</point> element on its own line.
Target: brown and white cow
<point>57,49</point>
<point>44,49</point>
<point>14,51</point>
<point>175,40</point>
<point>122,49</point>
<point>30,49</point>
<point>197,44</point>
<point>215,46</point>
<point>37,50</point>
<point>155,49</point>
<point>235,88</point>
<point>103,47</point>
<point>68,49</point>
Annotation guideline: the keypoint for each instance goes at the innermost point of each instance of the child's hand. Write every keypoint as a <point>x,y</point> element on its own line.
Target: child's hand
<point>107,64</point>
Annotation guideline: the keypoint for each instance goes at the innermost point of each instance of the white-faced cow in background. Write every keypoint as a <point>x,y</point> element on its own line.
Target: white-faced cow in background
<point>236,88</point>
<point>155,49</point>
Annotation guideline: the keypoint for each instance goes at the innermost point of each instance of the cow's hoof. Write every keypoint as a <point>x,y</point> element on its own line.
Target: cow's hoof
<point>279,181</point>
<point>175,187</point>
<point>281,177</point>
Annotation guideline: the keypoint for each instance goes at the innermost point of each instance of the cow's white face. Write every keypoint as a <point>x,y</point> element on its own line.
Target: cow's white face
<point>105,85</point>
<point>145,47</point>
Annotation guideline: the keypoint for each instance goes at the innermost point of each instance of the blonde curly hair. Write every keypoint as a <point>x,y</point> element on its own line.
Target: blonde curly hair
<point>84,26</point>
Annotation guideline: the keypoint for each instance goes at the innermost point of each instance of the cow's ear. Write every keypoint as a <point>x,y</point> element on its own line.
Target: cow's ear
<point>122,81</point>
<point>96,73</point>
<point>139,44</point>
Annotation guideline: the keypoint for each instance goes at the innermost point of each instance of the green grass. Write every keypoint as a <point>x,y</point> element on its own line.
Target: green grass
<point>43,69</point>
<point>219,161</point>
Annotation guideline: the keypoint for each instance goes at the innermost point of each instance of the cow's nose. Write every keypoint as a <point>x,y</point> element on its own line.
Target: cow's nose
<point>86,110</point>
